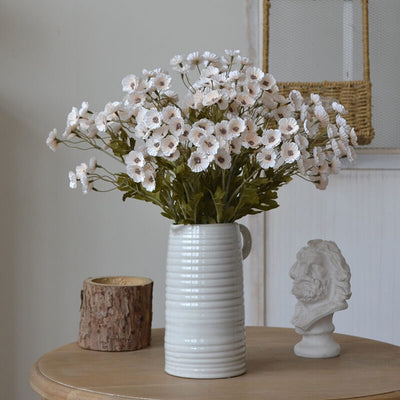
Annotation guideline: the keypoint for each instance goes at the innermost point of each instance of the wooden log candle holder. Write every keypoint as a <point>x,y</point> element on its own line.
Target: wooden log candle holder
<point>116,313</point>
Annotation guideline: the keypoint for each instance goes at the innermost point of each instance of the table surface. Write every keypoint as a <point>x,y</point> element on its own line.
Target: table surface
<point>365,368</point>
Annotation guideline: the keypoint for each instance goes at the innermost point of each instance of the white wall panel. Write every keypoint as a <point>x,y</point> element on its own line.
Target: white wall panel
<point>360,211</point>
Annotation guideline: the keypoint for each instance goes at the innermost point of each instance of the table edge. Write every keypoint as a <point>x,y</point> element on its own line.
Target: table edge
<point>59,391</point>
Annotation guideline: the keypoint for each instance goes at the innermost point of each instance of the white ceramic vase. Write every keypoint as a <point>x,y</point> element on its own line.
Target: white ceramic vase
<point>204,319</point>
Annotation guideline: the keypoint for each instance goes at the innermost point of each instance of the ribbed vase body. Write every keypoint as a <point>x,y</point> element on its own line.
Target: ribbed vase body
<point>204,328</point>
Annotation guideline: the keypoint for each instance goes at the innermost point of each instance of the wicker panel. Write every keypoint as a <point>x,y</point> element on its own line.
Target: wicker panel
<point>354,95</point>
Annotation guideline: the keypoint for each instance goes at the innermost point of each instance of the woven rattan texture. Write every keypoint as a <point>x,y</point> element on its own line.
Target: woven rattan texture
<point>354,95</point>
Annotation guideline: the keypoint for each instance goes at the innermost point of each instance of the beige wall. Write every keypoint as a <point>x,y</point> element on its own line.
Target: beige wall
<point>53,55</point>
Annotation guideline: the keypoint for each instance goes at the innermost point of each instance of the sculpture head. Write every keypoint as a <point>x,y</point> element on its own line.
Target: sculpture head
<point>321,282</point>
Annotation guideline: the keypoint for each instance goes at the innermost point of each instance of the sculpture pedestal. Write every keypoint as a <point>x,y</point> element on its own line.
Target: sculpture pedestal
<point>317,341</point>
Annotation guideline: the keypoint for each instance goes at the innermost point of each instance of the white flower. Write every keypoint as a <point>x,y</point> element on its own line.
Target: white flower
<point>234,108</point>
<point>250,125</point>
<point>301,166</point>
<point>176,60</point>
<point>319,156</point>
<point>288,126</point>
<point>114,127</point>
<point>209,72</point>
<point>169,144</point>
<point>283,112</point>
<point>135,158</point>
<point>304,112</point>
<point>245,100</point>
<point>340,121</point>
<point>209,144</point>
<point>161,81</point>
<point>194,58</point>
<point>130,83</point>
<point>198,161</point>
<point>315,99</point>
<point>205,124</point>
<point>72,180</point>
<point>331,131</point>
<point>52,140</point>
<point>144,86</point>
<point>160,132</point>
<point>223,159</point>
<point>321,115</point>
<point>173,156</point>
<point>92,165</point>
<point>296,99</point>
<point>152,119</point>
<point>271,138</point>
<point>335,147</point>
<point>182,69</point>
<point>86,185</point>
<point>152,73</point>
<point>126,112</point>
<point>176,126</point>
<point>135,99</point>
<point>322,183</point>
<point>222,131</point>
<point>310,128</point>
<point>170,112</point>
<point>195,134</point>
<point>194,100</point>
<point>267,82</point>
<point>290,152</point>
<point>141,131</point>
<point>301,142</point>
<point>344,146</point>
<point>153,146</point>
<point>72,118</point>
<point>254,74</point>
<point>135,172</point>
<point>170,95</point>
<point>253,89</point>
<point>267,158</point>
<point>68,133</point>
<point>236,126</point>
<point>221,80</point>
<point>250,140</point>
<point>149,181</point>
<point>84,109</point>
<point>351,154</point>
<point>140,113</point>
<point>343,133</point>
<point>81,170</point>
<point>101,121</point>
<point>236,145</point>
<point>211,97</point>
<point>81,175</point>
<point>185,134</point>
<point>269,101</point>
<point>353,137</point>
<point>338,107</point>
<point>335,166</point>
<point>86,122</point>
<point>210,57</point>
<point>223,102</point>
<point>232,53</point>
<point>244,60</point>
<point>236,76</point>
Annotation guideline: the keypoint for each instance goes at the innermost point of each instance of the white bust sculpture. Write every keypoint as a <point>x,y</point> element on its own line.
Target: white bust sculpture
<point>321,284</point>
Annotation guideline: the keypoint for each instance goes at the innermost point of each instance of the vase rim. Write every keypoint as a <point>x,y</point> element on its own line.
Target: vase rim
<point>213,224</point>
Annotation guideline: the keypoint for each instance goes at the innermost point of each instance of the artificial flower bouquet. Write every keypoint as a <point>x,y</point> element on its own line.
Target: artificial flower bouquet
<point>219,154</point>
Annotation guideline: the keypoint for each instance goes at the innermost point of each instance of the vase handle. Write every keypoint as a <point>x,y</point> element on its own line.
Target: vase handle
<point>246,241</point>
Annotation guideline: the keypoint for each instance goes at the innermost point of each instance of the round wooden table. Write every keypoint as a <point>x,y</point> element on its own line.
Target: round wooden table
<point>365,368</point>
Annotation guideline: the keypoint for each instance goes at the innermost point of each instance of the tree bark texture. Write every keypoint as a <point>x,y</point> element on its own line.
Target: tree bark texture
<point>116,313</point>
